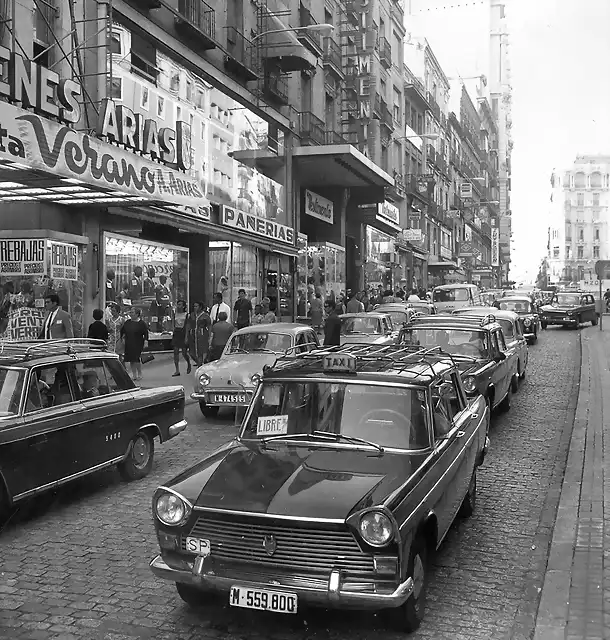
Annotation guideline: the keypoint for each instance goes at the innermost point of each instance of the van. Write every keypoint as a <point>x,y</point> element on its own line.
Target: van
<point>448,297</point>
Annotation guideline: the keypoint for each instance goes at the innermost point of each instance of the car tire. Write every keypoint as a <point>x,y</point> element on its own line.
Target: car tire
<point>505,404</point>
<point>190,595</point>
<point>409,616</point>
<point>208,412</point>
<point>5,509</point>
<point>470,499</point>
<point>139,460</point>
<point>535,338</point>
<point>514,382</point>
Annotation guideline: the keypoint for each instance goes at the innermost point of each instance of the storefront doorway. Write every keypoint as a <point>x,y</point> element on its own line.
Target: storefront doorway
<point>278,285</point>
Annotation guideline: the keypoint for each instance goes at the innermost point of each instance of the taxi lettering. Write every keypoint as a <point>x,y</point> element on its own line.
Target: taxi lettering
<point>339,363</point>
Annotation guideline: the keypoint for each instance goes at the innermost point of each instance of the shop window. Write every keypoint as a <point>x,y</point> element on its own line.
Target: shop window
<point>149,276</point>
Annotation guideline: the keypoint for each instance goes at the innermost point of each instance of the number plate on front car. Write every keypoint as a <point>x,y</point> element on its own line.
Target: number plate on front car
<point>198,546</point>
<point>228,398</point>
<point>278,601</point>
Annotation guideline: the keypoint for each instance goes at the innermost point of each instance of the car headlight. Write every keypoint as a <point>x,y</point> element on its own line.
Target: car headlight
<point>255,378</point>
<point>204,379</point>
<point>171,509</point>
<point>527,322</point>
<point>376,528</point>
<point>470,384</point>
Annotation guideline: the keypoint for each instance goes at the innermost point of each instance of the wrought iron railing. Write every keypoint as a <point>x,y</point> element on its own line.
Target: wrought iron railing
<point>385,52</point>
<point>198,14</point>
<point>241,49</point>
<point>312,128</point>
<point>332,53</point>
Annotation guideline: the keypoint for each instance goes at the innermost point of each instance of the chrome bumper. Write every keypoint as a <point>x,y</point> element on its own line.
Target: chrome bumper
<point>561,321</point>
<point>333,595</point>
<point>177,428</point>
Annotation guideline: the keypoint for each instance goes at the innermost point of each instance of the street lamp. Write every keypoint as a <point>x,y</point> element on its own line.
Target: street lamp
<point>324,29</point>
<point>427,136</point>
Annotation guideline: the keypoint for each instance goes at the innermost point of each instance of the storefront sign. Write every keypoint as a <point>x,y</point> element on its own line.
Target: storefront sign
<point>250,223</point>
<point>318,207</point>
<point>49,146</point>
<point>446,253</point>
<point>388,211</point>
<point>22,256</point>
<point>413,235</point>
<point>64,261</point>
<point>466,190</point>
<point>495,246</point>
<point>24,323</point>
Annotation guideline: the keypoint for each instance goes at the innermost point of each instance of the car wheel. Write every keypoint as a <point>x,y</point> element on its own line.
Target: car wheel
<point>5,509</point>
<point>191,595</point>
<point>408,617</point>
<point>139,460</point>
<point>208,412</point>
<point>505,404</point>
<point>470,499</point>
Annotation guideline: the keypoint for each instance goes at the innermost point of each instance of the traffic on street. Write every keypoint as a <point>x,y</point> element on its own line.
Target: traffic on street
<point>74,560</point>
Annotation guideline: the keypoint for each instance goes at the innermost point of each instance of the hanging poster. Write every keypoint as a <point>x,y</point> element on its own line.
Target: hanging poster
<point>22,256</point>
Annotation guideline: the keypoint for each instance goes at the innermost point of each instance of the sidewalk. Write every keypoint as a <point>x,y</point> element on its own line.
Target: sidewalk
<point>158,373</point>
<point>575,598</point>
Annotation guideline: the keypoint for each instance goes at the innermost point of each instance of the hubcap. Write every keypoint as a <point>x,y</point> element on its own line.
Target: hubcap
<point>140,451</point>
<point>418,576</point>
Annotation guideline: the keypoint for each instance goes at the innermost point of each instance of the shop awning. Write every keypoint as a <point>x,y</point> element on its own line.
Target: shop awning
<point>445,264</point>
<point>283,47</point>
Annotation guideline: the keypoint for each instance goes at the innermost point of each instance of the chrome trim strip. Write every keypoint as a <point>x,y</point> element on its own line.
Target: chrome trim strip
<point>264,515</point>
<point>74,476</point>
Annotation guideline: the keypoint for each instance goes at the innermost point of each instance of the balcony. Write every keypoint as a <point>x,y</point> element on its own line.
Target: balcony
<point>398,191</point>
<point>332,59</point>
<point>275,86</point>
<point>436,110</point>
<point>241,59</point>
<point>197,22</point>
<point>385,53</point>
<point>312,129</point>
<point>309,39</point>
<point>386,116</point>
<point>334,137</point>
<point>415,90</point>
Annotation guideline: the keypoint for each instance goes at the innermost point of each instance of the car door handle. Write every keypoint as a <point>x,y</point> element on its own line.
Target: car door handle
<point>460,434</point>
<point>474,416</point>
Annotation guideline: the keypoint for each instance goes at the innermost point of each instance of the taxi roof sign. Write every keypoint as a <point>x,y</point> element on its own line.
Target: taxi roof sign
<point>339,362</point>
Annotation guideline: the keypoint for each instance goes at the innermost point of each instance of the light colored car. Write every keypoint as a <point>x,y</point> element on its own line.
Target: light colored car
<point>231,380</point>
<point>368,328</point>
<point>398,311</point>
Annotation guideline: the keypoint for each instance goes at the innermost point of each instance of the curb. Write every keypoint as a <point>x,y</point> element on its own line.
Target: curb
<point>552,616</point>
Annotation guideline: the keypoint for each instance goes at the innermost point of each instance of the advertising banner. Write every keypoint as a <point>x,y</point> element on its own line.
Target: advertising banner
<point>50,146</point>
<point>23,323</point>
<point>63,261</point>
<point>318,207</point>
<point>22,256</point>
<point>413,235</point>
<point>495,246</point>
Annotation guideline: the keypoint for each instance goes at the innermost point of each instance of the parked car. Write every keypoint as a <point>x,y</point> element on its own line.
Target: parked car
<point>569,309</point>
<point>325,496</point>
<point>368,328</point>
<point>230,381</point>
<point>511,328</point>
<point>68,408</point>
<point>478,345</point>
<point>448,297</point>
<point>398,311</point>
<point>528,314</point>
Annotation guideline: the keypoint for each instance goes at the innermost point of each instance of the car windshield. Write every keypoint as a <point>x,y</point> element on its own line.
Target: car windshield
<point>569,299</point>
<point>456,341</point>
<point>260,342</point>
<point>422,308</point>
<point>518,306</point>
<point>385,416</point>
<point>398,316</point>
<point>11,382</point>
<point>360,324</point>
<point>450,295</point>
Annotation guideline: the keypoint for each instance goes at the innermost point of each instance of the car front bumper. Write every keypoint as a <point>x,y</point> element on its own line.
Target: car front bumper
<point>332,593</point>
<point>230,397</point>
<point>564,321</point>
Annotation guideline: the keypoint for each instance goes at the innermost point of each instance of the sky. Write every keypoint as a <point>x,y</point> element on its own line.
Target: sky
<point>559,52</point>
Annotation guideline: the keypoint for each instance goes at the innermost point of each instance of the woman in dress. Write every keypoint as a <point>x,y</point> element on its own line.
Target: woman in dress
<point>135,334</point>
<point>179,338</point>
<point>114,321</point>
<point>199,323</point>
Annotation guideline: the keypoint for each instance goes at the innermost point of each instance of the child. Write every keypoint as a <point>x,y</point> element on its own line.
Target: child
<point>97,329</point>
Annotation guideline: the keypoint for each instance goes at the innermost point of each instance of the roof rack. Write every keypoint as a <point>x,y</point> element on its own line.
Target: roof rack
<point>42,348</point>
<point>460,318</point>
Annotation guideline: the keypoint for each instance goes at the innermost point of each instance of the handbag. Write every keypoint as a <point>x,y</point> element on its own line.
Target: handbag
<point>146,357</point>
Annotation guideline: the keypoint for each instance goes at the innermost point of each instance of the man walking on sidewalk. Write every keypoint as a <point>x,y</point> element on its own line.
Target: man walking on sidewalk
<point>219,336</point>
<point>332,326</point>
<point>242,310</point>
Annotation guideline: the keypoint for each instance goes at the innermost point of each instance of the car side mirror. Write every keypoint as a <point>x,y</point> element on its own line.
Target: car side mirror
<point>500,357</point>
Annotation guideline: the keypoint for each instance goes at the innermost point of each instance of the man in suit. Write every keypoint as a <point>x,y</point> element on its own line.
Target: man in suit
<point>57,323</point>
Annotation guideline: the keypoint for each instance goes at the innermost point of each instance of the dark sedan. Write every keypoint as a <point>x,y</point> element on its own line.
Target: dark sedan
<point>569,309</point>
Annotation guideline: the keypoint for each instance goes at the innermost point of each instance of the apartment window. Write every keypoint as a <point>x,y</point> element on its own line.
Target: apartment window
<point>202,130</point>
<point>555,252</point>
<point>596,180</point>
<point>161,107</point>
<point>383,88</point>
<point>199,95</point>
<point>597,234</point>
<point>397,102</point>
<point>178,113</point>
<point>328,17</point>
<point>397,56</point>
<point>381,27</point>
<point>596,199</point>
<point>144,58</point>
<point>568,252</point>
<point>189,90</point>
<point>596,252</point>
<point>116,44</point>
<point>174,83</point>
<point>116,88</point>
<point>397,157</point>
<point>384,158</point>
<point>581,234</point>
<point>580,253</point>
<point>580,199</point>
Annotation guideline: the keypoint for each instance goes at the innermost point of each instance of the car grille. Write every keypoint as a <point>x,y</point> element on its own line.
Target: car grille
<point>303,549</point>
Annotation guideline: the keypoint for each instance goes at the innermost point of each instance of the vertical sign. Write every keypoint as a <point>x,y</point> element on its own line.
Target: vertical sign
<point>495,246</point>
<point>466,190</point>
<point>63,261</point>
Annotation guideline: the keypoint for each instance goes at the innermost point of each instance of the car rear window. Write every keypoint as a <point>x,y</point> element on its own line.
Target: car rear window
<point>11,384</point>
<point>450,295</point>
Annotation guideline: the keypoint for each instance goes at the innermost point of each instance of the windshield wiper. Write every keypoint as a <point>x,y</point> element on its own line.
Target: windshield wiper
<point>239,350</point>
<point>352,439</point>
<point>266,351</point>
<point>297,436</point>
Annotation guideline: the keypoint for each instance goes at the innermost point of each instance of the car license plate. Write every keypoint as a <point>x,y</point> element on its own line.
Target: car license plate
<point>198,546</point>
<point>278,601</point>
<point>229,398</point>
<point>567,318</point>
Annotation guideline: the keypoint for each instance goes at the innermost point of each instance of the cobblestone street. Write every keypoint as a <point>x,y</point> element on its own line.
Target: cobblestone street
<point>75,564</point>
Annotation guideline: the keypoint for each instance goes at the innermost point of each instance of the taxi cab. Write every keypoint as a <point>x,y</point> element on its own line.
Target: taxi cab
<point>350,466</point>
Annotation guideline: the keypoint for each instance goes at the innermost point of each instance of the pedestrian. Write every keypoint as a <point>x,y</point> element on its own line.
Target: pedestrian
<point>413,297</point>
<point>218,307</point>
<point>332,326</point>
<point>179,338</point>
<point>57,324</point>
<point>114,321</point>
<point>97,329</point>
<point>353,304</point>
<point>219,336</point>
<point>268,315</point>
<point>316,312</point>
<point>135,334</point>
<point>340,304</point>
<point>242,310</point>
<point>258,316</point>
<point>198,333</point>
<point>388,296</point>
<point>364,298</point>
